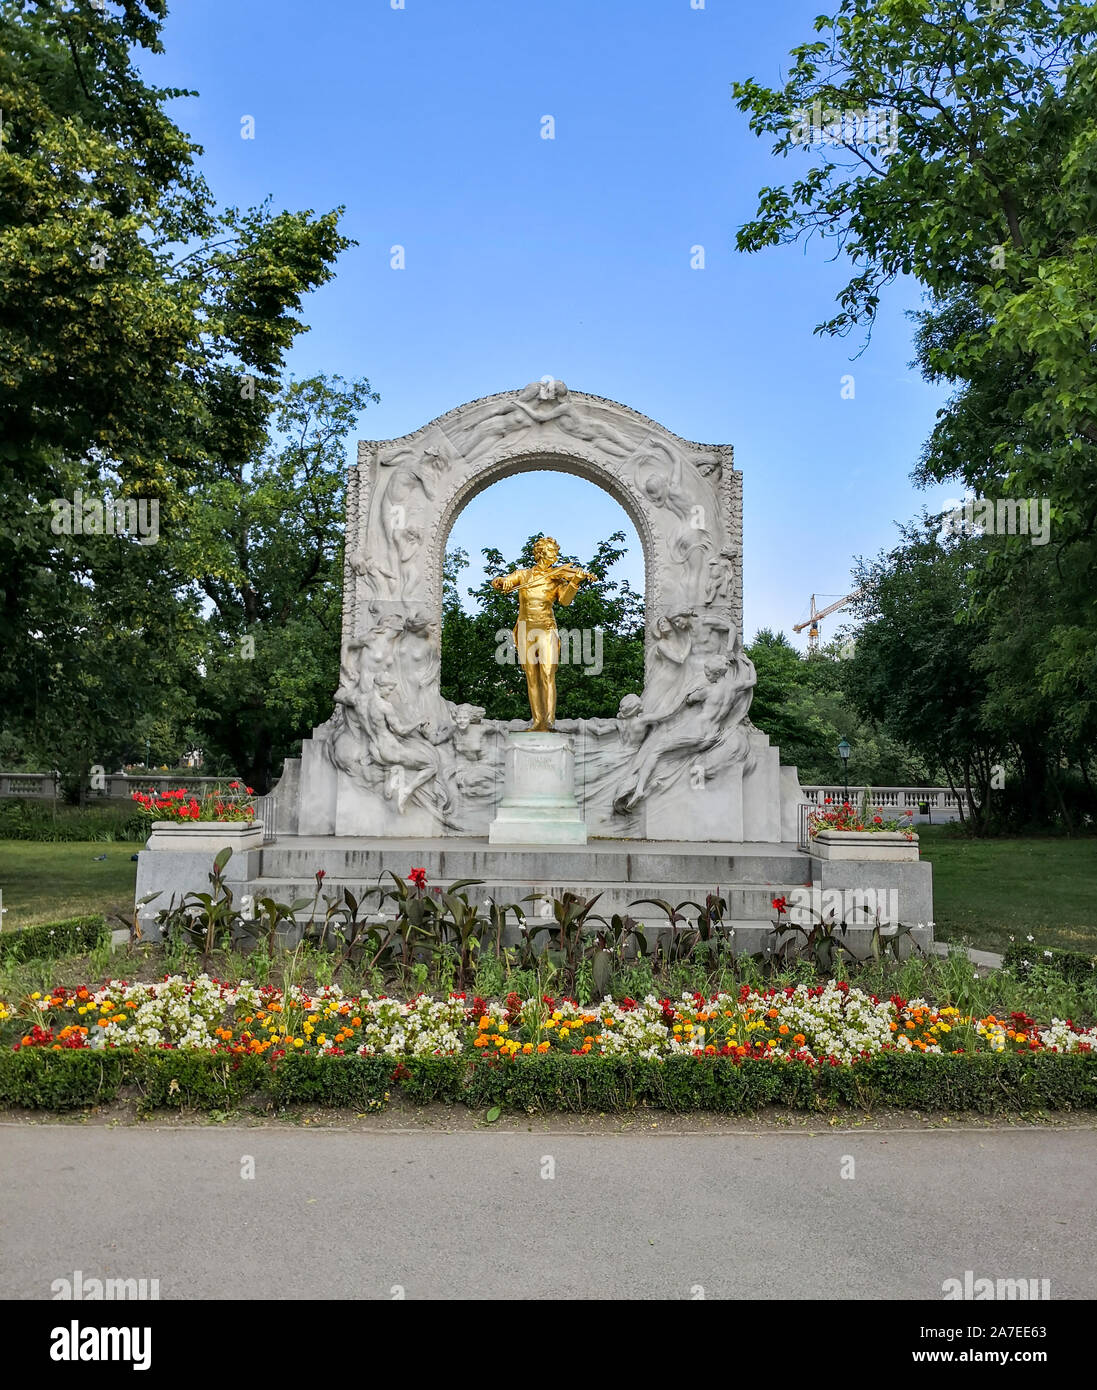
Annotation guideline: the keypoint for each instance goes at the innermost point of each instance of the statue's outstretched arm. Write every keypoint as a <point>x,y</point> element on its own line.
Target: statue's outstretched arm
<point>504,583</point>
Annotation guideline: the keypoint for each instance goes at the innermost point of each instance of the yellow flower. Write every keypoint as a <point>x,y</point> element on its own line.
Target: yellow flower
<point>298,1042</point>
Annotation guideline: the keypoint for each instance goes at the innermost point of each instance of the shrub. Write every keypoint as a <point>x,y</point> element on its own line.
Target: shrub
<point>982,1082</point>
<point>38,1079</point>
<point>176,1078</point>
<point>76,936</point>
<point>1021,956</point>
<point>45,822</point>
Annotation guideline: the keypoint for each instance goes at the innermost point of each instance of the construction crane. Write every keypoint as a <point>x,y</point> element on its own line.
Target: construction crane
<point>816,613</point>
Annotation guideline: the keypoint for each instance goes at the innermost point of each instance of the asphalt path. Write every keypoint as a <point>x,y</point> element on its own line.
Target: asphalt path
<point>498,1214</point>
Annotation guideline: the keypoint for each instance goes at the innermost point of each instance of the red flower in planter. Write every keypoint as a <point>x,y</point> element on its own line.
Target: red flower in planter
<point>418,877</point>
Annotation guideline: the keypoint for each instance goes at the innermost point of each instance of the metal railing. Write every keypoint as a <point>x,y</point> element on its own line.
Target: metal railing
<point>803,832</point>
<point>266,810</point>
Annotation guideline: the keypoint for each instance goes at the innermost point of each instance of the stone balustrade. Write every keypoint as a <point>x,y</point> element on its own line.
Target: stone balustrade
<point>116,787</point>
<point>943,801</point>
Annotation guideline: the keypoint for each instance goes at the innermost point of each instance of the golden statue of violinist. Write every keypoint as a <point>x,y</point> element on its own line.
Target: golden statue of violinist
<point>535,634</point>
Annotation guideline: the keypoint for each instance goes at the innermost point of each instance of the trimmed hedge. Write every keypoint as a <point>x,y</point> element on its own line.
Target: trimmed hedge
<point>39,1078</point>
<point>23,819</point>
<point>51,940</point>
<point>1020,957</point>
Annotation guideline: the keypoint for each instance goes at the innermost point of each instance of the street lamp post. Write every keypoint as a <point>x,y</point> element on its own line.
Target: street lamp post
<point>844,751</point>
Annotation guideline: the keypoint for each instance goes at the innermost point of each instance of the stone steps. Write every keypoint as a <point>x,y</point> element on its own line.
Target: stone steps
<point>746,901</point>
<point>640,863</point>
<point>747,876</point>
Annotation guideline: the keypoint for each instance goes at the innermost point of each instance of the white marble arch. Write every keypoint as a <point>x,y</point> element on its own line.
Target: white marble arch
<point>684,498</point>
<point>538,462</point>
<point>681,760</point>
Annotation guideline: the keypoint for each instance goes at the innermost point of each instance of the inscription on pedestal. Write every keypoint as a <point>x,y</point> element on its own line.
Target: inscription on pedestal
<point>538,805</point>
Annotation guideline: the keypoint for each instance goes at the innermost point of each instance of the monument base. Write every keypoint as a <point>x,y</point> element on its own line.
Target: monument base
<point>538,805</point>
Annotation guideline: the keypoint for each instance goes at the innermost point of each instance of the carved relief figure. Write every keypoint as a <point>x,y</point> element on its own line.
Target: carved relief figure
<point>546,403</point>
<point>666,685</point>
<point>705,720</point>
<point>720,579</point>
<point>408,483</point>
<point>688,512</point>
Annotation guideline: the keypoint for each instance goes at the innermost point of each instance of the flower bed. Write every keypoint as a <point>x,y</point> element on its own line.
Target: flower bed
<point>832,1024</point>
<point>868,820</point>
<point>231,803</point>
<point>209,1044</point>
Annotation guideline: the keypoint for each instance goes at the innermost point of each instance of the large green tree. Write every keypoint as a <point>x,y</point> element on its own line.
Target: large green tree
<point>987,196</point>
<point>265,539</point>
<point>142,335</point>
<point>806,706</point>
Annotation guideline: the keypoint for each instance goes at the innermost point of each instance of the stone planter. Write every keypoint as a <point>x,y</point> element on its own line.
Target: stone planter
<point>865,845</point>
<point>205,837</point>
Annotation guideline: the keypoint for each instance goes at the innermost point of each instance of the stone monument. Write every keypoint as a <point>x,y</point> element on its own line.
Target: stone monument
<point>679,793</point>
<point>680,761</point>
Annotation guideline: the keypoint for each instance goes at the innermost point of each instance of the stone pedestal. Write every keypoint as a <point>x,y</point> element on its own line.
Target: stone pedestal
<point>538,805</point>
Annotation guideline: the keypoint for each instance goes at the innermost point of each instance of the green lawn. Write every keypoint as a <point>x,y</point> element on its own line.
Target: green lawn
<point>48,882</point>
<point>986,890</point>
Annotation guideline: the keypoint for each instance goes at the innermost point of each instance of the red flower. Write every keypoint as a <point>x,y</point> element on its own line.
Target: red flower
<point>780,905</point>
<point>321,874</point>
<point>877,820</point>
<point>418,877</point>
<point>250,791</point>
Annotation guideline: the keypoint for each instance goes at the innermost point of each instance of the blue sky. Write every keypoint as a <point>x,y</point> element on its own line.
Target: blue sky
<point>568,257</point>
